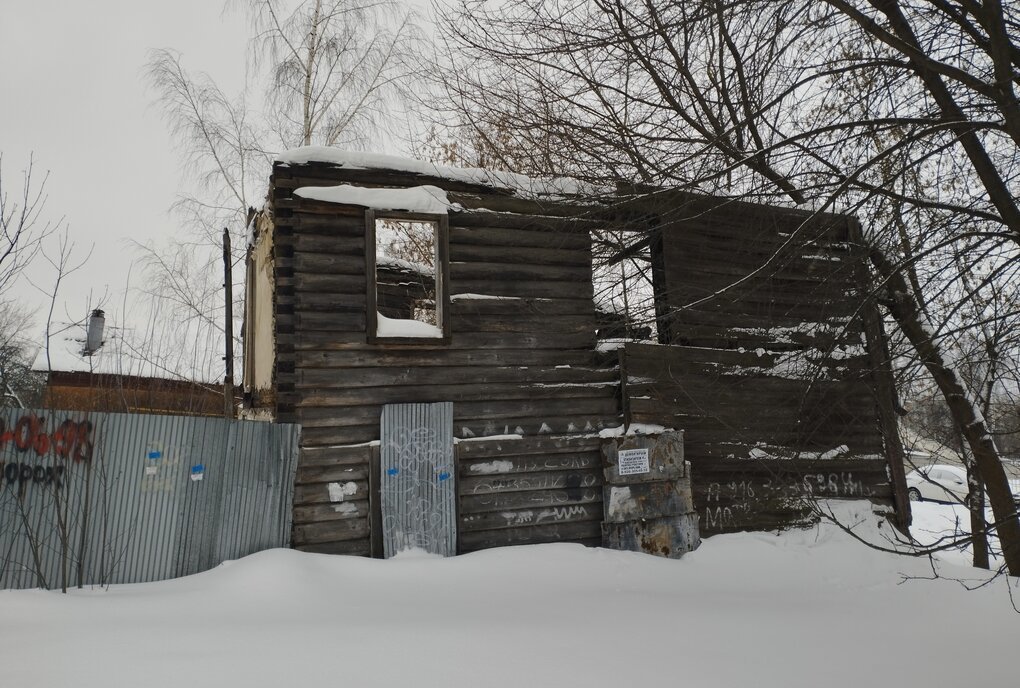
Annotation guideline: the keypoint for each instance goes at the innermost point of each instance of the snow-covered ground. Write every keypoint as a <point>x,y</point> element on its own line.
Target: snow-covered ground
<point>805,608</point>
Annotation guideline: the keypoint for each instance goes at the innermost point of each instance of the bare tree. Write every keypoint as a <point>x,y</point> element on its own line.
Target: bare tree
<point>331,69</point>
<point>904,114</point>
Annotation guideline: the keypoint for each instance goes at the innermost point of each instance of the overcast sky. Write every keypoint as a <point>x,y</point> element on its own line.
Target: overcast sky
<point>74,95</point>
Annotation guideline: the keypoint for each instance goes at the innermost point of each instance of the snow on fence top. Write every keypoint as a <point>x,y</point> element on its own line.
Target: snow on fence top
<point>416,199</point>
<point>518,183</point>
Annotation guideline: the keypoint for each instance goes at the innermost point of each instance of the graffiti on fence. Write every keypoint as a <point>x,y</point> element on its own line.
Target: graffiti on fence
<point>31,440</point>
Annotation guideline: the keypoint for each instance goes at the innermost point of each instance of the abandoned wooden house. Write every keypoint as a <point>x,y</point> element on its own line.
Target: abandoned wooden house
<point>375,284</point>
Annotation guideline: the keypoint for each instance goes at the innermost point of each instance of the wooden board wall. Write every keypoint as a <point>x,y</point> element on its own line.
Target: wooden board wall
<point>522,364</point>
<point>768,362</point>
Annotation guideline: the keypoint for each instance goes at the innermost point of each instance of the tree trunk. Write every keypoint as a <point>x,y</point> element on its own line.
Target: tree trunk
<point>962,406</point>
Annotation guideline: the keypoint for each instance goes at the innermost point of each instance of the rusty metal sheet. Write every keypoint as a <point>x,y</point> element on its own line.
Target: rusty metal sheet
<point>672,536</point>
<point>647,500</point>
<point>665,457</point>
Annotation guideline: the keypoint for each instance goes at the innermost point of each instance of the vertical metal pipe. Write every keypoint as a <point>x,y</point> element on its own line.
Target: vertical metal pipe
<point>228,329</point>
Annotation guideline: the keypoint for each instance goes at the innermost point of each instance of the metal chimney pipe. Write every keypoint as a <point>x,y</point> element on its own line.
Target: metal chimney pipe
<point>94,332</point>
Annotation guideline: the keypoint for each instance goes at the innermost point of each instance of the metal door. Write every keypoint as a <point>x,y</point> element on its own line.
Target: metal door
<point>418,495</point>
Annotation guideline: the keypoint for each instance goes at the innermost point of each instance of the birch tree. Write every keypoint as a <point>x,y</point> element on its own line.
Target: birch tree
<point>325,72</point>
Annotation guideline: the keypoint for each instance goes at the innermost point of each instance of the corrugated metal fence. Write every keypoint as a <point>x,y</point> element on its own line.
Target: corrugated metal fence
<point>103,498</point>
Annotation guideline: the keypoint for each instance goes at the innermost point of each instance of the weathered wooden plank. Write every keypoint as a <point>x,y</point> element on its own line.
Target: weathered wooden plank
<point>536,463</point>
<point>523,323</point>
<point>326,321</point>
<point>485,449</point>
<point>488,219</point>
<point>319,493</point>
<point>331,512</point>
<point>419,357</point>
<point>329,456</point>
<point>324,263</point>
<point>577,480</point>
<point>519,306</point>
<point>504,256</point>
<point>324,301</point>
<point>462,393</point>
<point>330,378</point>
<point>321,283</point>
<point>341,341</point>
<point>330,531</point>
<point>498,272</point>
<point>324,474</point>
<point>481,407</point>
<point>538,237</point>
<point>518,518</point>
<point>367,429</point>
<point>585,532</point>
<point>496,501</point>
<point>329,231</point>
<point>316,438</point>
<point>552,289</point>
<point>350,547</point>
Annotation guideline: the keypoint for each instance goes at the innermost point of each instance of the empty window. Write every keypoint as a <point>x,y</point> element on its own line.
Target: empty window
<point>407,292</point>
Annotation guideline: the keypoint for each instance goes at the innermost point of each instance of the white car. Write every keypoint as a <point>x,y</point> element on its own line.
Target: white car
<point>939,483</point>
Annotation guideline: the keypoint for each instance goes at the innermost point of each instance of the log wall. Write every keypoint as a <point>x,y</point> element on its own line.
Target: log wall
<point>768,366</point>
<point>522,364</point>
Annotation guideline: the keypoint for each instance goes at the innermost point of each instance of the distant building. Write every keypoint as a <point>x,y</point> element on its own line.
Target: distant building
<point>89,373</point>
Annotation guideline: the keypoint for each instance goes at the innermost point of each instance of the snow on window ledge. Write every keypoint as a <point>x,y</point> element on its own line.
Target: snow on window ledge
<point>394,327</point>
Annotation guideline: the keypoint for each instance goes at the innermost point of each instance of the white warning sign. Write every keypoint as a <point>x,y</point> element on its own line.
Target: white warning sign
<point>632,461</point>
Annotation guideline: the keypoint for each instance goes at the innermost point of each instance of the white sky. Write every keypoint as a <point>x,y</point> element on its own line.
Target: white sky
<point>74,94</point>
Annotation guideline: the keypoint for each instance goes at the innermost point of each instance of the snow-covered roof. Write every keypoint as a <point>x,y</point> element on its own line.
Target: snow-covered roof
<point>416,199</point>
<point>117,356</point>
<point>519,183</point>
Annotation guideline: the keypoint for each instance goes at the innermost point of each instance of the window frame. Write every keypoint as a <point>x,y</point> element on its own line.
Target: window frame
<point>442,223</point>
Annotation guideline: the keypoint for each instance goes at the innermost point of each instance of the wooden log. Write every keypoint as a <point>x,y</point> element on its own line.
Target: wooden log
<point>501,272</point>
<point>468,392</point>
<point>331,378</point>
<point>551,289</point>
<point>519,306</point>
<point>471,254</point>
<point>346,341</point>
<point>537,237</point>
<point>480,408</point>
<point>412,357</point>
<point>324,263</point>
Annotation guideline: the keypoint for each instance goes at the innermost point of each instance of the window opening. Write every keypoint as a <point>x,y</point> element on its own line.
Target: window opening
<point>407,279</point>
